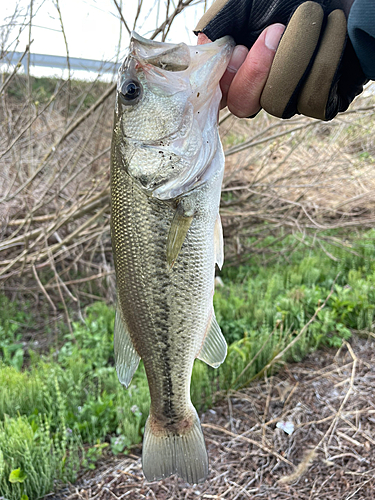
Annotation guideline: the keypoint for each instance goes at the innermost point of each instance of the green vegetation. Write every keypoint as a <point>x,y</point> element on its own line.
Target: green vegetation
<point>13,319</point>
<point>43,88</point>
<point>262,309</point>
<point>60,410</point>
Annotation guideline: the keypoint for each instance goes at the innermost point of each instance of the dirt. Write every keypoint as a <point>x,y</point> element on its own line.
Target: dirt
<point>327,401</point>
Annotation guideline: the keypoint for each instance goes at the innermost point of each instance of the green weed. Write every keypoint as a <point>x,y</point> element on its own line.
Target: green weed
<point>13,320</point>
<point>32,457</point>
<point>43,89</point>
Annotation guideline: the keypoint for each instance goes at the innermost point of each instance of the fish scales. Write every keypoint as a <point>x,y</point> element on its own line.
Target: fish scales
<point>163,224</point>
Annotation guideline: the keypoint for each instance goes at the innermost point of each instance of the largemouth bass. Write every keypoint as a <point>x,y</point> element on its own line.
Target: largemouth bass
<point>166,174</point>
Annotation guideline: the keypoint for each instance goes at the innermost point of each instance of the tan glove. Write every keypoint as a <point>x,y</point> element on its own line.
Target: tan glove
<point>315,71</point>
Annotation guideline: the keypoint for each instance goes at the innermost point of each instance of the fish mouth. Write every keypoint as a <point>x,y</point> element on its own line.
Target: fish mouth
<point>169,56</point>
<point>166,56</point>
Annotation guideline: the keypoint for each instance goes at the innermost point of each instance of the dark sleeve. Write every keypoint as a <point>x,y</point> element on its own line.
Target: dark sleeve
<point>245,20</point>
<point>361,29</point>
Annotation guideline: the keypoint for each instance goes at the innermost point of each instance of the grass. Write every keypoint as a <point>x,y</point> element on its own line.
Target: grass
<point>43,88</point>
<point>63,408</point>
<point>256,297</point>
<point>14,317</point>
<point>32,457</point>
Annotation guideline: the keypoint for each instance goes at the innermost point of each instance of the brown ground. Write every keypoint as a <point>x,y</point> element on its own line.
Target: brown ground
<point>329,398</point>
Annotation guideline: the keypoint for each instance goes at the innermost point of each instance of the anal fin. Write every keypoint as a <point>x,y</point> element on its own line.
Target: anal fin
<point>214,348</point>
<point>126,357</point>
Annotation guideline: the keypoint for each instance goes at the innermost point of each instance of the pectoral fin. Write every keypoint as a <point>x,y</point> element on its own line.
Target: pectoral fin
<point>214,348</point>
<point>219,242</point>
<point>177,234</point>
<point>126,357</point>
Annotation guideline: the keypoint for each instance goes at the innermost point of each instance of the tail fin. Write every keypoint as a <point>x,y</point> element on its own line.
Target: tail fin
<point>184,454</point>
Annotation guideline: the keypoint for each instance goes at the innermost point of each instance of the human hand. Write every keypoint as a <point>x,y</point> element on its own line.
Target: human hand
<point>247,72</point>
<point>315,70</point>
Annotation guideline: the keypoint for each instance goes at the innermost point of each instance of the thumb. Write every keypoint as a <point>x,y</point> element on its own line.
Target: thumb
<point>202,39</point>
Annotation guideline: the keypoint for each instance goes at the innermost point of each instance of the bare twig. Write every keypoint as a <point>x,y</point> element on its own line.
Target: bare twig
<point>16,68</point>
<point>121,16</point>
<point>248,440</point>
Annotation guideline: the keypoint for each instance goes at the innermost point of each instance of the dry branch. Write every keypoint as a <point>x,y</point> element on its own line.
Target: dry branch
<point>16,68</point>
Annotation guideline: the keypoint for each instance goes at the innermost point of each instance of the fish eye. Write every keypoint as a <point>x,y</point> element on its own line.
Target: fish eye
<point>130,90</point>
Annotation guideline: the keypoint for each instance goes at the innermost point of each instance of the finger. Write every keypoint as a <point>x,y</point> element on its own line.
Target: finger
<point>202,39</point>
<point>247,85</point>
<point>238,57</point>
